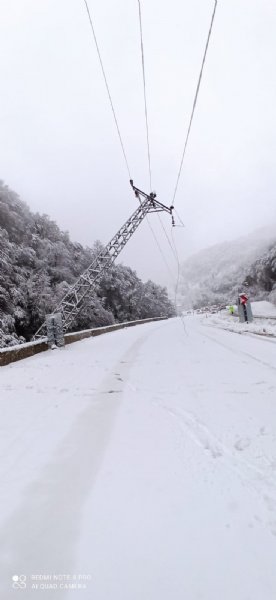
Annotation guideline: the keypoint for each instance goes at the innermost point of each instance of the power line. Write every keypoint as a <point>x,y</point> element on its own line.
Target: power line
<point>195,99</point>
<point>177,283</point>
<point>116,120</point>
<point>179,218</point>
<point>160,249</point>
<point>178,266</point>
<point>147,128</point>
<point>107,87</point>
<point>172,245</point>
<point>167,237</point>
<point>176,256</point>
<point>148,145</point>
<point>145,95</point>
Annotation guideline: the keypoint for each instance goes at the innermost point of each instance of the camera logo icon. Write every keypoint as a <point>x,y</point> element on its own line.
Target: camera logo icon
<point>19,582</point>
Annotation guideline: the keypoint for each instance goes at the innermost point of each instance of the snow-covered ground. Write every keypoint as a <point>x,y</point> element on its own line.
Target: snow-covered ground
<point>264,309</point>
<point>141,464</point>
<point>264,322</point>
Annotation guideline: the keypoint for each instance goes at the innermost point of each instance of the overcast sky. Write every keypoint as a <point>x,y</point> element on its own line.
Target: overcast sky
<point>59,148</point>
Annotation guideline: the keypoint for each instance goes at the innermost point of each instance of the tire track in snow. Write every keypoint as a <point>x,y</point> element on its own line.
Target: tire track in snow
<point>227,347</point>
<point>41,535</point>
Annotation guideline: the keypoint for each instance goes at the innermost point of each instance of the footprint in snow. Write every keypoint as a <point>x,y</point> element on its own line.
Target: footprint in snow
<point>215,452</point>
<point>262,431</point>
<point>242,444</point>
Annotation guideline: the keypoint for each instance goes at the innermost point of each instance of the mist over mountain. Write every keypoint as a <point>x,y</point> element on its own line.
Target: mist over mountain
<point>217,274</point>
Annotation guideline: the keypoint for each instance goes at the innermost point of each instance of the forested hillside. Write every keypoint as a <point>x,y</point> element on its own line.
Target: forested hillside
<point>261,277</point>
<point>38,263</point>
<point>216,275</point>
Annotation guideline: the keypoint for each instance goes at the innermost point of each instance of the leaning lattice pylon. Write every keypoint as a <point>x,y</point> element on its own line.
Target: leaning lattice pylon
<point>71,304</point>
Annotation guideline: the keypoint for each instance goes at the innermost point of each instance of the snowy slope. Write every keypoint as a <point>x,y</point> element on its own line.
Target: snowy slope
<point>216,274</point>
<point>144,462</point>
<point>263,309</point>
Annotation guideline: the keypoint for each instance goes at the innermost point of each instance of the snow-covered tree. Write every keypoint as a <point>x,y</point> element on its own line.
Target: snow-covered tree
<point>39,263</point>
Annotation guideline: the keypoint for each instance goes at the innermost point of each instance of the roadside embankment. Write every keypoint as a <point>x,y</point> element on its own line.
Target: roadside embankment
<point>21,351</point>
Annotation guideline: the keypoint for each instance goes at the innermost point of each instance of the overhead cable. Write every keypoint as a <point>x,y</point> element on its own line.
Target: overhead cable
<point>179,218</point>
<point>145,95</point>
<point>107,87</point>
<point>177,284</point>
<point>178,265</point>
<point>148,144</point>
<point>167,237</point>
<point>160,249</point>
<point>195,100</point>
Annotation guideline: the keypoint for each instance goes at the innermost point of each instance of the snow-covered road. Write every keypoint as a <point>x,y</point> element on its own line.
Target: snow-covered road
<point>141,465</point>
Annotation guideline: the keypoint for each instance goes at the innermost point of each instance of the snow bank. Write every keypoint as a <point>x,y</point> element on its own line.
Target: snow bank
<point>262,326</point>
<point>264,309</point>
<point>21,346</point>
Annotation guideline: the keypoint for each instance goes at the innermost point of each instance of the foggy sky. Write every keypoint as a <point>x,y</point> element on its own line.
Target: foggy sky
<point>59,148</point>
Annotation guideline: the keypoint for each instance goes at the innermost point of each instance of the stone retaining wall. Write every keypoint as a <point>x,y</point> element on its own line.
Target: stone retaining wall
<point>9,355</point>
